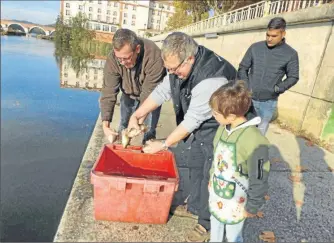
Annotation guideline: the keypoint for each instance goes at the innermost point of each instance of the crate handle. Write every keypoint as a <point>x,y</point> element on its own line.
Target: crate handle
<point>151,188</point>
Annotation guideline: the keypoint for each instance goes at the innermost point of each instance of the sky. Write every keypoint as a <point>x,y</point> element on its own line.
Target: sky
<point>40,12</point>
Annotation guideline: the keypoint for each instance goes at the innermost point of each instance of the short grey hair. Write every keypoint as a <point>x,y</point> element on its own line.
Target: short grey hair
<point>123,37</point>
<point>179,44</point>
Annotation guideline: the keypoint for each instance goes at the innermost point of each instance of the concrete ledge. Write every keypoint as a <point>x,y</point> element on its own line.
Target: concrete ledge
<point>322,13</point>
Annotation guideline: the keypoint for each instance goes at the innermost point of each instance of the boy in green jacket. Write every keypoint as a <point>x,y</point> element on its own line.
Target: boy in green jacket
<point>239,173</point>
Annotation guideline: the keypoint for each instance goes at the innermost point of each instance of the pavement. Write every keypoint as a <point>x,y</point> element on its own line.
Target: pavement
<point>300,208</point>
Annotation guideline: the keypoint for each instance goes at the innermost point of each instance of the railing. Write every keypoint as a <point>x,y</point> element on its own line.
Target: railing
<point>253,11</point>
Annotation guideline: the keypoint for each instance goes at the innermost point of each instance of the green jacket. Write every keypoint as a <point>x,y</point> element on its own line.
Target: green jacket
<point>252,156</point>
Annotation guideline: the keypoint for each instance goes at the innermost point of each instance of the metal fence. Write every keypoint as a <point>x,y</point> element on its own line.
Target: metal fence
<point>253,11</point>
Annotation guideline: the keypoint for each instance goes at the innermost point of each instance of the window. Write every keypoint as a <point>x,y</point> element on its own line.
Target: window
<point>109,3</point>
<point>67,5</point>
<point>158,21</point>
<point>133,23</point>
<point>154,4</point>
<point>90,9</point>
<point>90,27</point>
<point>90,1</point>
<point>99,10</point>
<point>161,5</point>
<point>115,13</point>
<point>115,4</point>
<point>125,15</point>
<point>126,6</point>
<point>114,21</point>
<point>108,19</point>
<point>105,28</point>
<point>153,12</point>
<point>152,20</point>
<point>99,2</point>
<point>134,8</point>
<point>80,7</point>
<point>113,29</point>
<point>133,16</point>
<point>158,13</point>
<point>65,75</point>
<point>67,12</point>
<point>124,21</point>
<point>90,16</point>
<point>99,17</point>
<point>108,12</point>
<point>97,27</point>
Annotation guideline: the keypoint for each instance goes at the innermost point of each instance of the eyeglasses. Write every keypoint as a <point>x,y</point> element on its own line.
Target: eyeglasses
<point>174,70</point>
<point>120,59</point>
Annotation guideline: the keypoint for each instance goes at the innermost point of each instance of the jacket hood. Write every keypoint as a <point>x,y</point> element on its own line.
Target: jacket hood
<point>252,122</point>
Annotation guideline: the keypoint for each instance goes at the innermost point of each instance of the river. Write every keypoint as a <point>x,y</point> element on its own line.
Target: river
<point>48,112</point>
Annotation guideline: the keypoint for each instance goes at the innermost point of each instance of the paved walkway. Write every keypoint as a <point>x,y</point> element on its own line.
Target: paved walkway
<point>311,189</point>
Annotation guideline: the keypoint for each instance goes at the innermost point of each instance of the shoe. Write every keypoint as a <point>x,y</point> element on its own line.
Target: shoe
<point>198,234</point>
<point>182,211</point>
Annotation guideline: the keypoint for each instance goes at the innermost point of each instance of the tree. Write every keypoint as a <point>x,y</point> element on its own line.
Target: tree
<point>187,12</point>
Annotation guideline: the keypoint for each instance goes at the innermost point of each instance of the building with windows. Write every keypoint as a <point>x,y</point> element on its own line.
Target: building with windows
<point>107,16</point>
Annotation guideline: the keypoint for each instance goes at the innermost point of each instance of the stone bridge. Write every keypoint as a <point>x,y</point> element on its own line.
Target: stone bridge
<point>26,28</point>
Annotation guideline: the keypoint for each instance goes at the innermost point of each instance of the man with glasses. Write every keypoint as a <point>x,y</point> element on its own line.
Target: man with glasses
<point>135,67</point>
<point>195,73</point>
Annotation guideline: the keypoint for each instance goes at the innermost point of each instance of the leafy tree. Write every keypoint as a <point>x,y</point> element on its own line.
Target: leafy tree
<point>187,12</point>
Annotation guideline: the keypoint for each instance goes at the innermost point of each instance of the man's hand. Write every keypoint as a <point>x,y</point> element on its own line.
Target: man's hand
<point>134,126</point>
<point>111,134</point>
<point>152,147</point>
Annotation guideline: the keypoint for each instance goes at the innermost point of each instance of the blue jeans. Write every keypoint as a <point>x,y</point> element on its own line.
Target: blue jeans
<point>128,107</point>
<point>220,231</point>
<point>265,110</point>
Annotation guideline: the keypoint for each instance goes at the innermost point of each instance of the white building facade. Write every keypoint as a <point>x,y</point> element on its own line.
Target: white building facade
<point>108,16</point>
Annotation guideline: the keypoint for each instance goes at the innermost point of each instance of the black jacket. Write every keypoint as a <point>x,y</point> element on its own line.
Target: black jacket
<point>263,69</point>
<point>207,65</point>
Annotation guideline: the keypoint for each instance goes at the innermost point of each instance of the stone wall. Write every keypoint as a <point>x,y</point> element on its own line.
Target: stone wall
<point>309,105</point>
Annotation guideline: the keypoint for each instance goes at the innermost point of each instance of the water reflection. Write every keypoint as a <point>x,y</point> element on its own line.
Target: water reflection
<point>89,78</point>
<point>81,65</point>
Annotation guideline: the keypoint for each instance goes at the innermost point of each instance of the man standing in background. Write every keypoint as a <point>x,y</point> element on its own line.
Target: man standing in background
<point>263,67</point>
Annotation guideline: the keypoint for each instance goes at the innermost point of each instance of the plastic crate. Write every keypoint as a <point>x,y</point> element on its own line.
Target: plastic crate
<point>131,186</point>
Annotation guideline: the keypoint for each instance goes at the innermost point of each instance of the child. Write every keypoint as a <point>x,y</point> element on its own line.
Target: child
<point>239,173</point>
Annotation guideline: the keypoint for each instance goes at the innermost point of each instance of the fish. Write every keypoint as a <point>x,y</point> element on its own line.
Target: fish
<point>128,134</point>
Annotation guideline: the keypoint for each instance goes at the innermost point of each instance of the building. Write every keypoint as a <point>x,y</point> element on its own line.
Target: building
<point>107,16</point>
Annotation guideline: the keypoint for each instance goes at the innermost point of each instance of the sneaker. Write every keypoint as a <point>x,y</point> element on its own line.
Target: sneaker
<point>198,234</point>
<point>182,211</point>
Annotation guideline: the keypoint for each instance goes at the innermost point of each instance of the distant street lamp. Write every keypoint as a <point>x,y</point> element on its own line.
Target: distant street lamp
<point>160,17</point>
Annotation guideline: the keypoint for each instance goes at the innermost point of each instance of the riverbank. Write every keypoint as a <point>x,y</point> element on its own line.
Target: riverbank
<point>296,210</point>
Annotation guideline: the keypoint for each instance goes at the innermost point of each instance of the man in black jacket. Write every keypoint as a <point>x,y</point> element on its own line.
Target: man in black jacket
<point>195,73</point>
<point>263,67</point>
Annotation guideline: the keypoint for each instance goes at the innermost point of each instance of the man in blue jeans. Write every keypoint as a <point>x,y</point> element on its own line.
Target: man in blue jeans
<point>135,67</point>
<point>263,67</point>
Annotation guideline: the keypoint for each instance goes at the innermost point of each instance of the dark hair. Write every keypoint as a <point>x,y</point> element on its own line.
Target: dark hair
<point>231,98</point>
<point>125,36</point>
<point>277,23</point>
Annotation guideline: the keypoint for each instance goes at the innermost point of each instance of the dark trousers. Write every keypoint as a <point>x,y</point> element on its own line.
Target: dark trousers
<point>194,173</point>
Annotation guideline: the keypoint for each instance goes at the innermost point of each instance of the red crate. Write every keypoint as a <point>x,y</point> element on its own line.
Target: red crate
<point>131,186</point>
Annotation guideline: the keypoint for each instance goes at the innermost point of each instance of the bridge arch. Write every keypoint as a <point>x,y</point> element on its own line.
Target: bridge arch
<point>40,29</point>
<point>16,26</point>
